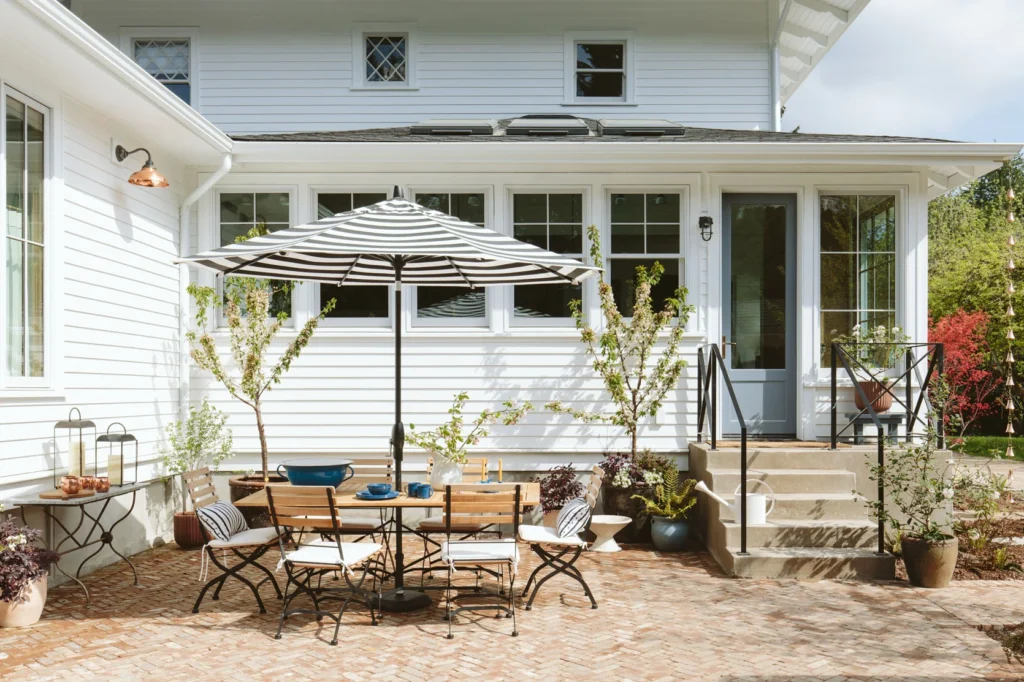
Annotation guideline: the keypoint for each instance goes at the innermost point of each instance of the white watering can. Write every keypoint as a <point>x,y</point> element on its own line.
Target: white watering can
<point>758,508</point>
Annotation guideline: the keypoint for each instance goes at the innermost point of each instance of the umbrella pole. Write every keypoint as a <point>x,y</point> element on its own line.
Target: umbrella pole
<point>399,599</point>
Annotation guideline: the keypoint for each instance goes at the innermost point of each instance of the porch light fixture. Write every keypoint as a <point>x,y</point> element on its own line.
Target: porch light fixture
<point>148,175</point>
<point>706,223</point>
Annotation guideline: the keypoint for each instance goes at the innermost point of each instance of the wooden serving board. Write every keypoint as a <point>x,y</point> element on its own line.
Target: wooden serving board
<point>59,495</point>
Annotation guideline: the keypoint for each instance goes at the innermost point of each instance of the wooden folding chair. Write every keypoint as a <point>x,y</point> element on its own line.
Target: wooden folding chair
<point>487,505</point>
<point>249,545</point>
<point>298,511</point>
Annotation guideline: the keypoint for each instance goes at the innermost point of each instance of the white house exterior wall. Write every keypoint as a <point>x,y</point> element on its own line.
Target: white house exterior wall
<point>269,66</point>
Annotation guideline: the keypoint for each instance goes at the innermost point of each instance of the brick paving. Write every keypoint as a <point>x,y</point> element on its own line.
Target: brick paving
<point>661,617</point>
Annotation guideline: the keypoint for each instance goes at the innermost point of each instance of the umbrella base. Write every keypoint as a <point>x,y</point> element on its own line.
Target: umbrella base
<point>401,601</point>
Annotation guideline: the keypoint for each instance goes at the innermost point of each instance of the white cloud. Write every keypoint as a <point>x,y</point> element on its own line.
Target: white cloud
<point>934,68</point>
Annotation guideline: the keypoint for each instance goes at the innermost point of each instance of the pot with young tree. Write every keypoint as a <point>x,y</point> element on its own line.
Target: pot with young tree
<point>919,490</point>
<point>201,440</point>
<point>24,567</point>
<point>255,311</point>
<point>667,508</point>
<point>879,351</point>
<point>559,485</point>
<point>639,362</point>
<point>448,443</point>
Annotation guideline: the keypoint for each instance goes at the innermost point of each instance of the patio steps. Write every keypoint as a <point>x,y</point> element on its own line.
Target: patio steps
<point>818,529</point>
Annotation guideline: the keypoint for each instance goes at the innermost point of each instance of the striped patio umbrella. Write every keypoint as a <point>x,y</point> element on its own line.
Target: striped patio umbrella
<point>394,242</point>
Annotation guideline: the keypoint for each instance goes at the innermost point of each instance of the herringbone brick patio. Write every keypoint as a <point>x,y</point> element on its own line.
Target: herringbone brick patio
<point>661,617</point>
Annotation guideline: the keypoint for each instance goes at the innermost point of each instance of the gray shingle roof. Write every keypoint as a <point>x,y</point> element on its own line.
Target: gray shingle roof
<point>691,135</point>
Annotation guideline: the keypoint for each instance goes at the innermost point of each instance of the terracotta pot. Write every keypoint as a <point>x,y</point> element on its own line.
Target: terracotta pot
<point>929,564</point>
<point>880,399</point>
<point>188,533</point>
<point>619,502</point>
<point>23,614</point>
<point>243,486</point>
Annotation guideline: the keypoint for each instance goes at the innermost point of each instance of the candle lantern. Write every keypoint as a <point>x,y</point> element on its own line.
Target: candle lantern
<point>74,433</point>
<point>117,471</point>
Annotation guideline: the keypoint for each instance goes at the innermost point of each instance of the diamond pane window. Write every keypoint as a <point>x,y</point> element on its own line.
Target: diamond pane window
<point>386,59</point>
<point>167,60</point>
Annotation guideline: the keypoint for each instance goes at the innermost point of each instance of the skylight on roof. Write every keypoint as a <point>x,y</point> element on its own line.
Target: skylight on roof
<point>639,127</point>
<point>455,126</point>
<point>548,125</point>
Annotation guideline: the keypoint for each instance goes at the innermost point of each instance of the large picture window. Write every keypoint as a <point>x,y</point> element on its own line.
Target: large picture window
<point>858,264</point>
<point>644,229</point>
<point>240,212</point>
<point>354,302</point>
<point>553,222</point>
<point>24,242</point>
<point>468,306</point>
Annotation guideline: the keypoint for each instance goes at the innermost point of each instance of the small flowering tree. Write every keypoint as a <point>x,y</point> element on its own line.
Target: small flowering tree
<point>200,439</point>
<point>624,351</point>
<point>251,328</point>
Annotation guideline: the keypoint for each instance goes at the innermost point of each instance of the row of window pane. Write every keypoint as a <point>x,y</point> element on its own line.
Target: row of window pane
<point>553,222</point>
<point>352,301</point>
<point>240,212</point>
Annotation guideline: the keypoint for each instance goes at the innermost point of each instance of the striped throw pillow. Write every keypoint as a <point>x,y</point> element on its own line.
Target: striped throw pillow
<point>222,520</point>
<point>573,518</point>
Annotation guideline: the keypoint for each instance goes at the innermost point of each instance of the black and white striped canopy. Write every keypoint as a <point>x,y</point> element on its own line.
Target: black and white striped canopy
<point>362,247</point>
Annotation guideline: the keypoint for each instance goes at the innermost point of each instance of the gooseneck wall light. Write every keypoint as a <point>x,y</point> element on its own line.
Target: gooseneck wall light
<point>148,175</point>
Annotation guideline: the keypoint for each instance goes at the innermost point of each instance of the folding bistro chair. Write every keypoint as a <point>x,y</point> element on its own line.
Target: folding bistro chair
<point>558,555</point>
<point>369,470</point>
<point>488,505</point>
<point>248,545</point>
<point>300,510</point>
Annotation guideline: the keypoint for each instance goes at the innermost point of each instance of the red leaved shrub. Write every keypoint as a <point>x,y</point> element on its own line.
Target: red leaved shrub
<point>971,386</point>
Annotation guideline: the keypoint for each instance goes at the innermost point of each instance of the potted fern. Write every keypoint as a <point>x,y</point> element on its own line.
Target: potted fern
<point>668,507</point>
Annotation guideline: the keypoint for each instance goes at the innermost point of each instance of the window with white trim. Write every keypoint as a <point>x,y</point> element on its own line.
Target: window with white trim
<point>858,265</point>
<point>461,304</point>
<point>600,72</point>
<point>24,171</point>
<point>169,60</point>
<point>365,304</point>
<point>386,58</point>
<point>553,222</point>
<point>241,212</point>
<point>644,228</point>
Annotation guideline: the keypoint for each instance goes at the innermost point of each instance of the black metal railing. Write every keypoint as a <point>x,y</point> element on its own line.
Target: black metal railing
<point>707,412</point>
<point>846,355</point>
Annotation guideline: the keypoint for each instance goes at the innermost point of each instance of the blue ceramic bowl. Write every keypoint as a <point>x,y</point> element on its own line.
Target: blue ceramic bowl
<point>324,472</point>
<point>378,488</point>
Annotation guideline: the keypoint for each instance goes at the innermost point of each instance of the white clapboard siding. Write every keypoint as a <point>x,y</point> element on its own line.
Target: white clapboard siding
<point>273,66</point>
<point>118,311</point>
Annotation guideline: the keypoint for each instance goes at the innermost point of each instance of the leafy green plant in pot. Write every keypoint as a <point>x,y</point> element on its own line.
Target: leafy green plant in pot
<point>882,351</point>
<point>558,486</point>
<point>23,574</point>
<point>636,354</point>
<point>201,440</point>
<point>921,495</point>
<point>668,508</point>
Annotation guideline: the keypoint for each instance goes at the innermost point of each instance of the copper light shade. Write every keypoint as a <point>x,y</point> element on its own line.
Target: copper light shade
<point>148,175</point>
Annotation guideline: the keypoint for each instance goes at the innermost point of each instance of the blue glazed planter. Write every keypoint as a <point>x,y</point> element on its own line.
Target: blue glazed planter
<point>316,471</point>
<point>668,535</point>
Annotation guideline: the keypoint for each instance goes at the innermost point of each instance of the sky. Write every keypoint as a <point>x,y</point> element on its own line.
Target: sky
<point>952,69</point>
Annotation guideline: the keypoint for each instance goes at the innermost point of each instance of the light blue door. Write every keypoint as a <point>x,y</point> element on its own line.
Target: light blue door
<point>759,311</point>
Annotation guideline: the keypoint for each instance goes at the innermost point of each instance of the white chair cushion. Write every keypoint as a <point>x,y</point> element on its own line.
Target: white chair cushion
<point>326,554</point>
<point>247,538</point>
<point>472,551</point>
<point>545,535</point>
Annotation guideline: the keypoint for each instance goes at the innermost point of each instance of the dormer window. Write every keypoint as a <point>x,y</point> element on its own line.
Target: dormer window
<point>384,57</point>
<point>599,68</point>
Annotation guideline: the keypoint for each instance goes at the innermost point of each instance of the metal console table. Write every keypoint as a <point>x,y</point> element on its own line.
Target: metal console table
<point>98,533</point>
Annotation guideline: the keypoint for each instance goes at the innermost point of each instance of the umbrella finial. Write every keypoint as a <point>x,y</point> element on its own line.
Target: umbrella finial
<point>397,193</point>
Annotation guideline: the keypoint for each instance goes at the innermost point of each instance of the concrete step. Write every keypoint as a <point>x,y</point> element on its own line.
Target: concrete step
<point>803,506</point>
<point>843,534</point>
<point>809,563</point>
<point>785,480</point>
<point>785,458</point>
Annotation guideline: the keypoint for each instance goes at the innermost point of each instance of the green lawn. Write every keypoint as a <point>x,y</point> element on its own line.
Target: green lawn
<point>989,446</point>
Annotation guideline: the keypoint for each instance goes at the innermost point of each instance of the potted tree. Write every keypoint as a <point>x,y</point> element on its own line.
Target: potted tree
<point>638,360</point>
<point>922,495</point>
<point>668,507</point>
<point>558,486</point>
<point>448,443</point>
<point>202,440</point>
<point>253,325</point>
<point>879,350</point>
<point>23,574</point>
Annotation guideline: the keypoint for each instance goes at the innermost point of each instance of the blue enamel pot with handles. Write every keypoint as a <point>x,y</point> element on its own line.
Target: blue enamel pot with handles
<point>316,471</point>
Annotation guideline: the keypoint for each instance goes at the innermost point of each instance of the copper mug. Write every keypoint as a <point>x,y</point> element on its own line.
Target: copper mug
<point>102,484</point>
<point>88,482</point>
<point>70,485</point>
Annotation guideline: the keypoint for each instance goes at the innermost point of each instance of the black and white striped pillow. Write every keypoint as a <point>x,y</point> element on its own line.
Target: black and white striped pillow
<point>222,520</point>
<point>573,518</point>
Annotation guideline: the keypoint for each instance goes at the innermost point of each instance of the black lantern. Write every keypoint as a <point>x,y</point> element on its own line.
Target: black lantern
<point>706,223</point>
<point>73,431</point>
<point>115,457</point>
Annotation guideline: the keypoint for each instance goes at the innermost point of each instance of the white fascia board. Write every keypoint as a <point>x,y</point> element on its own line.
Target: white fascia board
<point>72,32</point>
